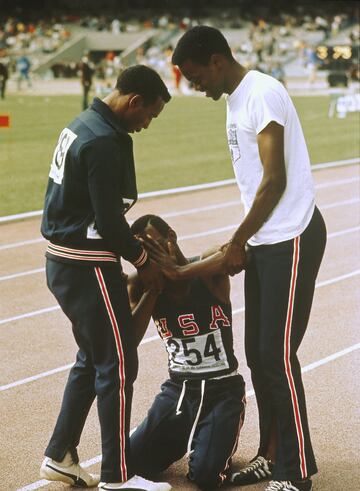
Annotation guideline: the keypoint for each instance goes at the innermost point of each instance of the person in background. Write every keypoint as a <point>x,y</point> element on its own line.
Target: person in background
<point>86,73</point>
<point>23,66</point>
<point>4,75</point>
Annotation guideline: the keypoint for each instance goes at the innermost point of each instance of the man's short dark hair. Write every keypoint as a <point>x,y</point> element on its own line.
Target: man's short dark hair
<point>199,44</point>
<point>141,223</point>
<point>144,81</point>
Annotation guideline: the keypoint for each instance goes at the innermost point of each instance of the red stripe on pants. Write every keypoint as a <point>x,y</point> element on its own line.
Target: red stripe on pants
<point>120,352</point>
<point>288,372</point>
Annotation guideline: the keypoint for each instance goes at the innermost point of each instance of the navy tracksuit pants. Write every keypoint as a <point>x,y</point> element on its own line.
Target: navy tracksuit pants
<point>279,289</point>
<point>96,302</point>
<point>163,437</point>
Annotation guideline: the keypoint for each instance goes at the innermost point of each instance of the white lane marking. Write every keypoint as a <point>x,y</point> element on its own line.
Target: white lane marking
<point>228,204</point>
<point>338,278</point>
<point>329,358</point>
<point>22,273</point>
<point>184,189</point>
<point>201,209</point>
<point>343,232</point>
<point>30,314</point>
<point>36,377</point>
<point>57,370</point>
<point>338,182</point>
<point>187,212</point>
<point>340,203</point>
<point>156,337</point>
<point>209,232</point>
<point>235,225</point>
<point>193,210</point>
<point>328,165</point>
<point>184,237</point>
<point>22,243</point>
<point>249,393</point>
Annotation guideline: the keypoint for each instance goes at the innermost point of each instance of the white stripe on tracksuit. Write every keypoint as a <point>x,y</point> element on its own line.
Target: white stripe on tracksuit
<point>287,361</point>
<point>120,352</point>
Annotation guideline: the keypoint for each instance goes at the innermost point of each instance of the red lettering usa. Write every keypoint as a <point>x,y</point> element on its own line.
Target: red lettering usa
<point>217,314</point>
<point>162,328</point>
<point>188,325</point>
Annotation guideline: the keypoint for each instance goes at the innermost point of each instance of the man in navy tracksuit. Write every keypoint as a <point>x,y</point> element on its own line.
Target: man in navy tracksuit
<point>91,186</point>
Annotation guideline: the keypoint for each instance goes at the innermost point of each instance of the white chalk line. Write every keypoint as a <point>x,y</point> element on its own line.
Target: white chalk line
<point>22,243</point>
<point>338,182</point>
<point>185,189</point>
<point>21,273</point>
<point>156,337</point>
<point>174,214</point>
<point>184,237</point>
<point>249,393</point>
<point>57,370</point>
<point>186,212</point>
<point>29,314</point>
<point>233,226</point>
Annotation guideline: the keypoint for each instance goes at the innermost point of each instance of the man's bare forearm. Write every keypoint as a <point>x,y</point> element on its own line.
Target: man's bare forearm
<point>211,265</point>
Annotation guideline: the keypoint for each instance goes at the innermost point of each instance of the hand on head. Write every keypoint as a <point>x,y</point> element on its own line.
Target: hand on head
<point>164,254</point>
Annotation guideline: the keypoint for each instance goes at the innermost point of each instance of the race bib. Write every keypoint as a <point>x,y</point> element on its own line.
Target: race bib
<point>205,353</point>
<point>58,162</point>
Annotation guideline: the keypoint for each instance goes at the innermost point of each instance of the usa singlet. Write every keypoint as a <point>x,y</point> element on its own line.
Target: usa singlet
<point>197,333</point>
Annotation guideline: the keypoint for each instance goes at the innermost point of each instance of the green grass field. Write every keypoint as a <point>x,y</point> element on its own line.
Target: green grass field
<point>185,145</point>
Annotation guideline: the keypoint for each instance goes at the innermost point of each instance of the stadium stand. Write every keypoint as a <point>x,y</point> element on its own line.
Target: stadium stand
<point>279,38</point>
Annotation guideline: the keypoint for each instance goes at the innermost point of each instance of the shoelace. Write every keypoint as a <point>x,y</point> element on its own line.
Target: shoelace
<point>257,464</point>
<point>278,485</point>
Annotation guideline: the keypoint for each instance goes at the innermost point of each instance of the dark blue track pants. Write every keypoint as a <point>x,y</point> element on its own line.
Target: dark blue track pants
<point>279,289</point>
<point>96,302</point>
<point>163,437</point>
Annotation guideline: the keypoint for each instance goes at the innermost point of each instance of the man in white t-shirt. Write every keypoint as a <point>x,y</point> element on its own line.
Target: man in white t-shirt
<point>286,234</point>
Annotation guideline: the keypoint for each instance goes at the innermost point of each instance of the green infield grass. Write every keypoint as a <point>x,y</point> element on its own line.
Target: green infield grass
<point>185,145</point>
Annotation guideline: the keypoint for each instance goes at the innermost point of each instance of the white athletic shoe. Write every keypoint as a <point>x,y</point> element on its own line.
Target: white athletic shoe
<point>136,483</point>
<point>67,471</point>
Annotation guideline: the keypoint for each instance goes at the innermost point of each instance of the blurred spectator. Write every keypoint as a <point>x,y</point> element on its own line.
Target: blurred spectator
<point>115,26</point>
<point>177,77</point>
<point>86,72</point>
<point>23,66</point>
<point>311,62</point>
<point>4,75</point>
<point>278,72</point>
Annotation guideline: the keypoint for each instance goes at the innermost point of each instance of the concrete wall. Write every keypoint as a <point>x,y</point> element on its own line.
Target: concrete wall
<point>127,43</point>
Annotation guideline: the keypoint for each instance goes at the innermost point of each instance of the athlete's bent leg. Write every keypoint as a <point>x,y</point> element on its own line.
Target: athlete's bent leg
<point>161,438</point>
<point>216,437</point>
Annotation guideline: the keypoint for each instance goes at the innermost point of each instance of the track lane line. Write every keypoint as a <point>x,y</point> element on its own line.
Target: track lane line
<point>328,184</point>
<point>180,213</point>
<point>156,337</point>
<point>184,237</point>
<point>195,187</point>
<point>249,393</point>
<point>21,273</point>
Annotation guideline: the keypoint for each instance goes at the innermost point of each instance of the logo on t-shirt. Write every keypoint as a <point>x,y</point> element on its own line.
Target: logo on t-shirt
<point>233,143</point>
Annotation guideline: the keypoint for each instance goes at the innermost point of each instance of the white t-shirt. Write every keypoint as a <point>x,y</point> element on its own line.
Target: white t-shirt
<point>258,100</point>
